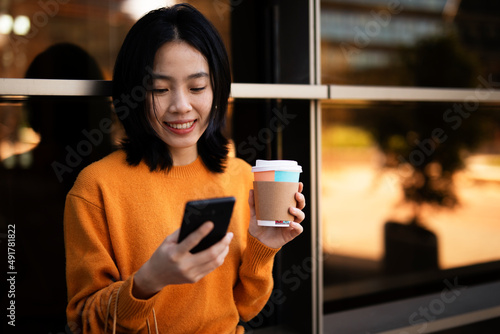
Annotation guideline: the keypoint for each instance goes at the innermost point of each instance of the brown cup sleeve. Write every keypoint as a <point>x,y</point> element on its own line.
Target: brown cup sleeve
<point>272,199</point>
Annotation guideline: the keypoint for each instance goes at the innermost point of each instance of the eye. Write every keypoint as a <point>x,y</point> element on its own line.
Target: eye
<point>160,90</point>
<point>198,89</point>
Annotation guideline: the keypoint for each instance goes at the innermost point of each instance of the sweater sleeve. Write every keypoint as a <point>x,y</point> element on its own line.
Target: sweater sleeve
<point>255,278</point>
<point>95,286</point>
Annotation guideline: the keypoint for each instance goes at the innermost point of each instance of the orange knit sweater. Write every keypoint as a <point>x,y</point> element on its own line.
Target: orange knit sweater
<point>117,215</point>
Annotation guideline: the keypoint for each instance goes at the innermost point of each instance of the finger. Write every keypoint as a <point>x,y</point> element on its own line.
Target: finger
<point>205,268</point>
<point>214,252</point>
<point>217,248</point>
<point>220,259</point>
<point>301,187</point>
<point>195,237</point>
<point>297,213</point>
<point>297,229</point>
<point>301,200</point>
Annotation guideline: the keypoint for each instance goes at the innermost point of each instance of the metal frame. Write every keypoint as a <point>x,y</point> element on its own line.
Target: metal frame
<point>409,94</point>
<point>315,158</point>
<point>467,305</point>
<point>314,91</point>
<point>54,87</point>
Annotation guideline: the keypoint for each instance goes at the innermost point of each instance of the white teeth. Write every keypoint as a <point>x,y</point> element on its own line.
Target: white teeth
<point>181,125</point>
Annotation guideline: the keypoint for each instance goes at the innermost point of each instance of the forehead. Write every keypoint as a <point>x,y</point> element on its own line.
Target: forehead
<point>179,60</point>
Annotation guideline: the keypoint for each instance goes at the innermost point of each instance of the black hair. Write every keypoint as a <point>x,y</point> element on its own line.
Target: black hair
<point>132,78</point>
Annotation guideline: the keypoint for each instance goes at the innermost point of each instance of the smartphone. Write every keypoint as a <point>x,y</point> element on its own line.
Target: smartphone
<point>217,210</point>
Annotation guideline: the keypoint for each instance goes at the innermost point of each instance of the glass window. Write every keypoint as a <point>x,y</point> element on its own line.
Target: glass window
<point>44,143</point>
<point>407,189</point>
<point>409,43</point>
<point>99,27</point>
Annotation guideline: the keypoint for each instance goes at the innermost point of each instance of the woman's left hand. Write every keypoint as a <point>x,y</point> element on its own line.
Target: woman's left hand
<point>276,237</point>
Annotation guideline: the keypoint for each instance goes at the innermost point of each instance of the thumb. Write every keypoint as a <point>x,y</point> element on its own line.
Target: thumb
<point>251,202</point>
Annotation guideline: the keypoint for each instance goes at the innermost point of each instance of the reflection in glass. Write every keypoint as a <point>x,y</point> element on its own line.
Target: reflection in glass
<point>97,26</point>
<point>406,191</point>
<point>45,142</point>
<point>363,41</point>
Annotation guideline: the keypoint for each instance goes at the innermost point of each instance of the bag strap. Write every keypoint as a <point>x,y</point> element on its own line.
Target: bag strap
<point>107,313</point>
<point>156,323</point>
<point>115,312</point>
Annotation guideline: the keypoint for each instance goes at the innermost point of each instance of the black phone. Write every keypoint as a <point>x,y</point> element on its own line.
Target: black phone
<point>217,210</point>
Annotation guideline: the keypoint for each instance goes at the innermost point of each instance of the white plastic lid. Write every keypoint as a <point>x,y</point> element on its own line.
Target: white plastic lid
<point>280,165</point>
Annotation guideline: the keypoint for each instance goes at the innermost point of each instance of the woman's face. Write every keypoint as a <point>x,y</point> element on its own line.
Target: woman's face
<point>183,95</point>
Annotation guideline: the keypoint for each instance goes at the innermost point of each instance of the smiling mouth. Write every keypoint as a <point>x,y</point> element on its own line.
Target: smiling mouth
<point>180,126</point>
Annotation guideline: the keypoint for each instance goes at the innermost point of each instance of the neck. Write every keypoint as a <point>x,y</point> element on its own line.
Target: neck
<point>182,157</point>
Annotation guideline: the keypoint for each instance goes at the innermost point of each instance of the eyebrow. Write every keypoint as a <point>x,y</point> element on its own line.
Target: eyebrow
<point>196,75</point>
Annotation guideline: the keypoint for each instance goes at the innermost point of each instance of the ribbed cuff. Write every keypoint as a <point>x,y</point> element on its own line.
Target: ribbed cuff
<point>131,308</point>
<point>260,255</point>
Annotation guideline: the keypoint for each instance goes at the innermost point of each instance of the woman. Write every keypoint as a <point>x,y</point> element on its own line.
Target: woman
<point>125,268</point>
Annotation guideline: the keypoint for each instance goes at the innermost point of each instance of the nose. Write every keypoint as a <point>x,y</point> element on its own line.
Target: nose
<point>179,103</point>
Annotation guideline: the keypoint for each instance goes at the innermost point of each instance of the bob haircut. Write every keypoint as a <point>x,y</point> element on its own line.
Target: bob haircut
<point>132,79</point>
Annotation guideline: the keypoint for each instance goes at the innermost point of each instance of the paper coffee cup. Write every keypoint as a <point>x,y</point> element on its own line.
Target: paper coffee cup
<point>275,184</point>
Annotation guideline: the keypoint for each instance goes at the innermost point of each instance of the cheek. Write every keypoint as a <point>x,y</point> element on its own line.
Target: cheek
<point>206,115</point>
<point>206,105</point>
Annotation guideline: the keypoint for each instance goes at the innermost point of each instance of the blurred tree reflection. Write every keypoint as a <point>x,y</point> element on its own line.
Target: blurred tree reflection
<point>429,142</point>
<point>427,145</point>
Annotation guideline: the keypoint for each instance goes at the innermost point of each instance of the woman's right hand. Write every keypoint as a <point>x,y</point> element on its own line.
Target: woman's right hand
<point>172,263</point>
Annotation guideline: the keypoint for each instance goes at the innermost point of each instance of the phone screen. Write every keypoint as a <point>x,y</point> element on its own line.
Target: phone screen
<point>217,210</point>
